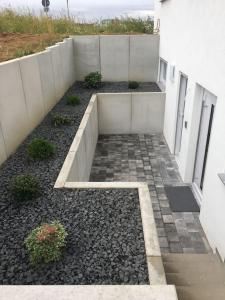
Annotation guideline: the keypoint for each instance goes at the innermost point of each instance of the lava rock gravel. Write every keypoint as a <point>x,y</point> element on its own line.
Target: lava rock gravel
<point>105,242</point>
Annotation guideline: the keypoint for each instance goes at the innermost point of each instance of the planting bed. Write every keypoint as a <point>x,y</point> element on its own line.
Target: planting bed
<point>105,242</point>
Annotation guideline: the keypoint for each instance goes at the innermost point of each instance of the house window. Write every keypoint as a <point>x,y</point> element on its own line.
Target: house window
<point>163,73</point>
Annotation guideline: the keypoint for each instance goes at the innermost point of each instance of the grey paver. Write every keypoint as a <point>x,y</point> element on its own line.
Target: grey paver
<point>146,158</point>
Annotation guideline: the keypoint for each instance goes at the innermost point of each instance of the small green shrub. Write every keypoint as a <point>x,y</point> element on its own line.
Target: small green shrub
<point>24,187</point>
<point>133,85</point>
<point>93,80</point>
<point>73,100</point>
<point>45,242</point>
<point>60,120</point>
<point>40,149</point>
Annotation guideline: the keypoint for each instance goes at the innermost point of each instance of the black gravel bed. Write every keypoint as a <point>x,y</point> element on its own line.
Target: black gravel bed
<point>105,243</point>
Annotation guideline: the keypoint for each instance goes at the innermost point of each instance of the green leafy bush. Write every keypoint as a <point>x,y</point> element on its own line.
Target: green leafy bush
<point>40,149</point>
<point>133,85</point>
<point>45,242</point>
<point>60,120</point>
<point>93,80</point>
<point>24,187</point>
<point>73,100</point>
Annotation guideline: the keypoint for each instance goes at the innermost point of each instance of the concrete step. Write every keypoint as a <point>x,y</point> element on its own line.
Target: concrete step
<point>190,258</point>
<point>195,278</point>
<point>198,267</point>
<point>216,292</point>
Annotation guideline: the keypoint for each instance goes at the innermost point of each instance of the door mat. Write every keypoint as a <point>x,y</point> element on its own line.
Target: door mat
<point>181,199</point>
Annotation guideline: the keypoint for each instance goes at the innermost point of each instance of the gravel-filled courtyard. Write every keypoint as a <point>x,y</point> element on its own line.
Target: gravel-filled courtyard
<point>105,241</point>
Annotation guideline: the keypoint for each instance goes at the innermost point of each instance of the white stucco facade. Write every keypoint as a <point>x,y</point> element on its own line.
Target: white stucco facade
<point>192,39</point>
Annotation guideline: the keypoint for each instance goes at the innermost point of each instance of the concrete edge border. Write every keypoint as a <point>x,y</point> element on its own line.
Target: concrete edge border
<point>152,248</point>
<point>153,253</point>
<point>91,292</point>
<point>65,170</point>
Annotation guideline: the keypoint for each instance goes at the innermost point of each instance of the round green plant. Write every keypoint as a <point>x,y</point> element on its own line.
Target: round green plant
<point>93,80</point>
<point>45,243</point>
<point>40,149</point>
<point>133,85</point>
<point>73,100</point>
<point>24,187</point>
<point>59,120</point>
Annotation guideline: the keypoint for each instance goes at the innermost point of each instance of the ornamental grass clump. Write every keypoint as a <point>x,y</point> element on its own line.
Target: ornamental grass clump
<point>133,85</point>
<point>73,100</point>
<point>24,187</point>
<point>59,120</point>
<point>40,149</point>
<point>45,243</point>
<point>93,80</point>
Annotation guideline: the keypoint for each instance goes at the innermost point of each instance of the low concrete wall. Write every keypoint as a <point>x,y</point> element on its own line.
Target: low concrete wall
<point>131,113</point>
<point>117,57</point>
<point>118,113</point>
<point>13,109</point>
<point>77,165</point>
<point>29,87</point>
<point>126,113</point>
<point>30,75</point>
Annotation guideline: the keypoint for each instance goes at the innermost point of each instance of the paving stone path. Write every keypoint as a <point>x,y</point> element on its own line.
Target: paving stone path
<point>147,158</point>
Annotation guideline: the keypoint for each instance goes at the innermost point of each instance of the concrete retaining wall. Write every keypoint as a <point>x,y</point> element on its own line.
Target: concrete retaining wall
<point>131,113</point>
<point>29,88</point>
<point>117,57</point>
<point>77,165</point>
<point>126,113</point>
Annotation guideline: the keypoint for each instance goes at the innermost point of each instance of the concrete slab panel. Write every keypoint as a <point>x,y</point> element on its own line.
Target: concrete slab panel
<point>57,71</point>
<point>94,120</point>
<point>156,270</point>
<point>114,113</point>
<point>71,61</point>
<point>63,49</point>
<point>104,185</point>
<point>148,222</point>
<point>144,57</point>
<point>32,87</point>
<point>114,55</point>
<point>73,173</point>
<point>47,80</point>
<point>91,136</point>
<point>67,58</point>
<point>91,292</point>
<point>81,161</point>
<point>86,55</point>
<point>3,155</point>
<point>148,112</point>
<point>13,110</point>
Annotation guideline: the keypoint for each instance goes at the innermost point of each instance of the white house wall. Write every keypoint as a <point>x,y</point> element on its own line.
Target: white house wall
<point>191,38</point>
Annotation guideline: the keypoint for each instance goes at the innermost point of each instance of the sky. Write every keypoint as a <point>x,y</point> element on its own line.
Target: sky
<point>90,9</point>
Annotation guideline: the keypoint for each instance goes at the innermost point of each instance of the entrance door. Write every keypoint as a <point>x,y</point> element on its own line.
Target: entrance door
<point>208,106</point>
<point>180,112</point>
